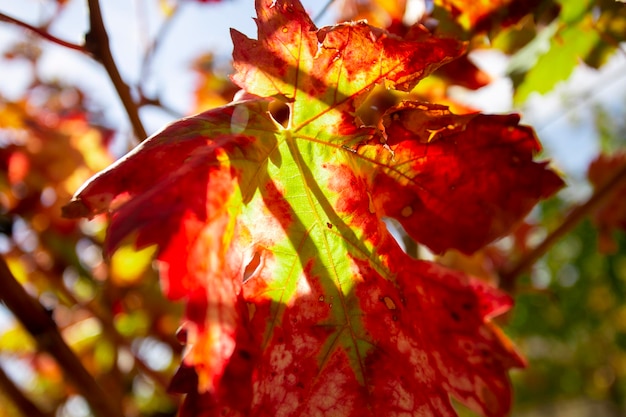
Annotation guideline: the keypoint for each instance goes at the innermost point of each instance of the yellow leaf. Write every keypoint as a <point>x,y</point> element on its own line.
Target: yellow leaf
<point>128,265</point>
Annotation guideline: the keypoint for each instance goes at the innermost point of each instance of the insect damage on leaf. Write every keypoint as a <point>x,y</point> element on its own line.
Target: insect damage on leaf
<point>299,301</point>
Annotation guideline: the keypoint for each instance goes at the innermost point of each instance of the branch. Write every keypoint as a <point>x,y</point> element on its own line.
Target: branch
<point>40,325</point>
<point>601,194</point>
<point>96,46</point>
<point>97,42</point>
<point>17,397</point>
<point>43,33</point>
<point>109,331</point>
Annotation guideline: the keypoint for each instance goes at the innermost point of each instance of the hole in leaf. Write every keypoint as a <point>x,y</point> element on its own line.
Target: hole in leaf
<point>253,266</point>
<point>280,112</point>
<point>371,110</point>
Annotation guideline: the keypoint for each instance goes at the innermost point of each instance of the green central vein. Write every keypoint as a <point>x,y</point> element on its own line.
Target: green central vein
<point>330,264</point>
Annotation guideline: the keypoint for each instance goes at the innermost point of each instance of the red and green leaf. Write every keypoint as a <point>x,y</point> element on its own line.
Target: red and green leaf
<point>299,301</point>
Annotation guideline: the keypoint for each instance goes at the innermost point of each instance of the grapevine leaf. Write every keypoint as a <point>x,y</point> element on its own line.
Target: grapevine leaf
<point>466,179</point>
<point>325,73</point>
<point>299,301</point>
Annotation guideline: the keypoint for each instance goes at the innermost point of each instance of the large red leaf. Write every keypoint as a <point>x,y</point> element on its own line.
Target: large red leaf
<point>468,178</point>
<point>299,301</point>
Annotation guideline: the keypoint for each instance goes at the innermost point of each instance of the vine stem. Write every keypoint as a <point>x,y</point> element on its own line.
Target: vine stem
<point>97,42</point>
<point>44,34</point>
<point>42,327</point>
<point>96,46</point>
<point>574,217</point>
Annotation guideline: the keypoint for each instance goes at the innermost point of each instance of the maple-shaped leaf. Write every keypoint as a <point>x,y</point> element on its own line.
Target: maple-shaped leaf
<point>299,301</point>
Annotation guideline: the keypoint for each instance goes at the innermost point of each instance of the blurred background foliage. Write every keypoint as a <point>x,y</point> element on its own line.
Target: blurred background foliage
<point>570,316</point>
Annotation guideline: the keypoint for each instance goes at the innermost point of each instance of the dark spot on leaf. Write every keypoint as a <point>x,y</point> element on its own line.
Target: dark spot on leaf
<point>329,225</point>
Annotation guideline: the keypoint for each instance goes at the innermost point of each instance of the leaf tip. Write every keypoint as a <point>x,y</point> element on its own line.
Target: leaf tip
<point>76,209</point>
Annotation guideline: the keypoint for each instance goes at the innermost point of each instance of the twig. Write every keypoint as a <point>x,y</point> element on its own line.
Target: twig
<point>509,274</point>
<point>156,102</point>
<point>151,49</point>
<point>608,38</point>
<point>44,34</point>
<point>96,46</point>
<point>97,42</point>
<point>113,335</point>
<point>41,326</point>
<point>17,397</point>
<point>322,12</point>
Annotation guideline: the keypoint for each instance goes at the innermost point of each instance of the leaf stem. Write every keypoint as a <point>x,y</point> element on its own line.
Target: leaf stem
<point>97,42</point>
<point>509,275</point>
<point>40,325</point>
<point>43,33</point>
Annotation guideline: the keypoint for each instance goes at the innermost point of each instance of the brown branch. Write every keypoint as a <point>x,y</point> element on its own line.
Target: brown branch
<point>97,42</point>
<point>17,397</point>
<point>109,330</point>
<point>96,46</point>
<point>43,33</point>
<point>509,275</point>
<point>40,325</point>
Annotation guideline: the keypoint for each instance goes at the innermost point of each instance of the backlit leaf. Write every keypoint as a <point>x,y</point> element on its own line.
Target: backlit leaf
<point>298,300</point>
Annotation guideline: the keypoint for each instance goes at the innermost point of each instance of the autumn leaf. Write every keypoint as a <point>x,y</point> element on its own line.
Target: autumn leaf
<point>299,301</point>
<point>482,16</point>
